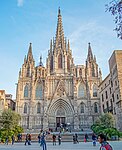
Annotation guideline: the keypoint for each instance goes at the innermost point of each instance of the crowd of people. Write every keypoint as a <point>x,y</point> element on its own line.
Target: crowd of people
<point>41,140</point>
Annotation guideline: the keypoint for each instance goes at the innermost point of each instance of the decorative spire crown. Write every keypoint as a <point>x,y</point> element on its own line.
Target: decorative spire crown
<point>90,55</point>
<point>30,55</point>
<point>59,31</point>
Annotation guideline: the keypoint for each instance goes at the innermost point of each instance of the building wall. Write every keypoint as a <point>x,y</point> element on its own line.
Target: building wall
<point>3,104</point>
<point>112,84</point>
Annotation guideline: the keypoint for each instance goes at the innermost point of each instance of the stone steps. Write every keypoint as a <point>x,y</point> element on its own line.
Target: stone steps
<point>65,137</point>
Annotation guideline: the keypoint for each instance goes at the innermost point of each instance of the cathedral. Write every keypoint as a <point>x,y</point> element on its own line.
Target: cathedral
<point>60,93</point>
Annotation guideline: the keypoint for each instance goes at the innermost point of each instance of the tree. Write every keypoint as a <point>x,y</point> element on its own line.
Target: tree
<point>105,124</point>
<point>107,120</point>
<point>9,124</point>
<point>115,8</point>
<point>10,119</point>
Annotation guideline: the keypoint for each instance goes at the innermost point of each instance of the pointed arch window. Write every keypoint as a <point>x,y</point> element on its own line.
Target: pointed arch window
<point>94,90</point>
<point>51,63</point>
<point>93,71</point>
<point>68,63</point>
<point>25,108</point>
<point>81,91</point>
<point>39,91</point>
<point>82,108</point>
<point>80,72</point>
<point>95,108</point>
<point>26,91</point>
<point>60,61</point>
<point>38,108</point>
<point>28,71</point>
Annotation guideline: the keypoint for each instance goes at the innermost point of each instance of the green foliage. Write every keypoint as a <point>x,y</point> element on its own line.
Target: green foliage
<point>9,124</point>
<point>107,120</point>
<point>10,119</point>
<point>105,124</point>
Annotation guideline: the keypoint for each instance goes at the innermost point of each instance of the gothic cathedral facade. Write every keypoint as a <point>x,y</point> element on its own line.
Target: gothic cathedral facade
<point>61,92</point>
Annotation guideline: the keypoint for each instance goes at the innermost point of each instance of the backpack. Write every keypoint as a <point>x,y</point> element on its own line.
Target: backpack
<point>107,147</point>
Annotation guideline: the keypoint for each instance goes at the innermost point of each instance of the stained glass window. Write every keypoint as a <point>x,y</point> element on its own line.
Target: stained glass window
<point>38,108</point>
<point>81,90</point>
<point>95,107</point>
<point>39,91</point>
<point>26,91</point>
<point>25,108</point>
<point>82,108</point>
<point>94,90</point>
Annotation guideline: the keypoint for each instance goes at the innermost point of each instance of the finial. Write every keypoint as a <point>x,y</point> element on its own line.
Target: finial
<point>68,45</point>
<point>40,63</point>
<point>59,11</point>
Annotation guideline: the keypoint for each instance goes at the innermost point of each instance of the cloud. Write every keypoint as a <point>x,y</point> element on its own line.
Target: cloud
<point>20,3</point>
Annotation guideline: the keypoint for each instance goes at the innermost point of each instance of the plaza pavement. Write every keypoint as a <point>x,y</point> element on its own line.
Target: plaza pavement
<point>64,146</point>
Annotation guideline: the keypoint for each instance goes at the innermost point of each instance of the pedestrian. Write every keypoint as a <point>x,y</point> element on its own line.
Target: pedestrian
<point>29,139</point>
<point>86,138</point>
<point>26,139</point>
<point>76,138</point>
<point>54,139</point>
<point>12,139</point>
<point>39,138</point>
<point>94,139</point>
<point>6,140</point>
<point>43,142</point>
<point>104,144</point>
<point>59,139</point>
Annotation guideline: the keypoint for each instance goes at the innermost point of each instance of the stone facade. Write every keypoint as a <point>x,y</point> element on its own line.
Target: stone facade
<point>3,103</point>
<point>61,93</point>
<point>111,89</point>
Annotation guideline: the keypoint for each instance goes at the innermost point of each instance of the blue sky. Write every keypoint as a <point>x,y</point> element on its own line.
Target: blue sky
<point>35,21</point>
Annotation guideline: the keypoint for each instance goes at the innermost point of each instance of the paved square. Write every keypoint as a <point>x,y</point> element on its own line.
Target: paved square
<point>63,146</point>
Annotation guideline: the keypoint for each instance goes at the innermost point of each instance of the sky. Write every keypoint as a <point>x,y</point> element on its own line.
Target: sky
<point>35,21</point>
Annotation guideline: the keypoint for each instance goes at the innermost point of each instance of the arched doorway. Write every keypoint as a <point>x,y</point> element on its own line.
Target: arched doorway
<point>60,117</point>
<point>60,113</point>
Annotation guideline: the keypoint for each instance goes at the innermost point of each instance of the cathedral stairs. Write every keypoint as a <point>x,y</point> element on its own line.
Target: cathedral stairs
<point>66,137</point>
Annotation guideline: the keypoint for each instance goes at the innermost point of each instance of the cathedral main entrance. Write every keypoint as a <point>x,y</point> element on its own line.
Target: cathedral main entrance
<point>60,121</point>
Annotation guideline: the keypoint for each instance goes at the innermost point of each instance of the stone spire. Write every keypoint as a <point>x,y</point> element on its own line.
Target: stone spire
<point>68,46</point>
<point>59,32</point>
<point>94,58</point>
<point>30,55</point>
<point>90,55</point>
<point>25,60</point>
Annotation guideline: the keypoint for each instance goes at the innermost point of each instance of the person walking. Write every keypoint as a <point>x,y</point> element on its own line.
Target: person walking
<point>54,139</point>
<point>43,142</point>
<point>104,144</point>
<point>12,139</point>
<point>59,139</point>
<point>86,138</point>
<point>76,138</point>
<point>39,138</point>
<point>94,139</point>
<point>6,140</point>
<point>26,139</point>
<point>29,139</point>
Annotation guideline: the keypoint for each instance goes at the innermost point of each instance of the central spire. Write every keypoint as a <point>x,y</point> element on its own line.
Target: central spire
<point>59,31</point>
<point>90,55</point>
